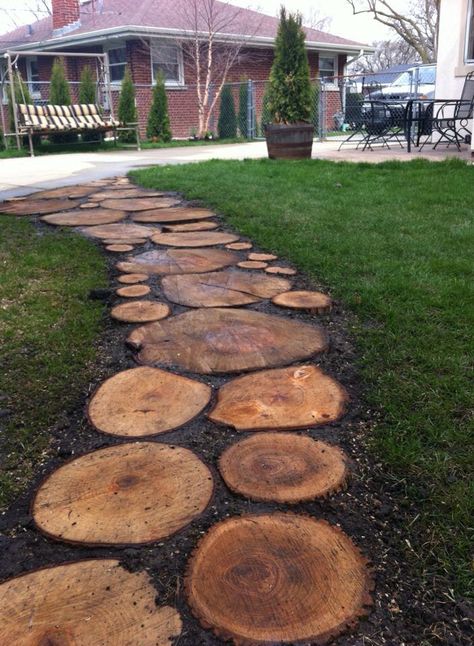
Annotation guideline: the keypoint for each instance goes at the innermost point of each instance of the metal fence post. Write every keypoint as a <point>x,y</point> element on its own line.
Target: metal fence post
<point>250,111</point>
<point>322,111</point>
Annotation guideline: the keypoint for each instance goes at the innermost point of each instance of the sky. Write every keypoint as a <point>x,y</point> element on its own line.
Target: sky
<point>343,23</point>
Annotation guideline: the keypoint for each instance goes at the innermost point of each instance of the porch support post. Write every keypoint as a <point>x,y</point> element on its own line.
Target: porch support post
<point>11,81</point>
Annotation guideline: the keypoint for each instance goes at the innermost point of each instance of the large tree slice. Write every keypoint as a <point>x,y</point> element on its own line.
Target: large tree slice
<point>277,578</point>
<point>72,192</point>
<point>140,311</point>
<point>140,203</point>
<point>146,401</point>
<point>132,291</point>
<point>289,398</point>
<point>125,494</point>
<point>88,602</point>
<point>178,261</point>
<point>124,193</point>
<point>194,238</point>
<point>218,340</point>
<point>315,302</point>
<point>221,289</point>
<point>283,467</point>
<point>36,207</point>
<point>119,231</point>
<point>203,225</point>
<point>84,218</point>
<point>180,214</point>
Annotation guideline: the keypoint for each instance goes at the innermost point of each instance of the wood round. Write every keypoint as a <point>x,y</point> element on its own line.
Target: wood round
<point>194,238</point>
<point>132,291</point>
<point>179,261</point>
<point>119,231</point>
<point>146,401</point>
<point>140,311</point>
<point>133,241</point>
<point>89,205</point>
<point>219,340</point>
<point>128,494</point>
<point>203,225</point>
<point>239,246</point>
<point>123,193</point>
<point>71,192</point>
<point>252,264</point>
<point>131,279</point>
<point>286,271</point>
<point>315,302</point>
<point>277,578</point>
<point>119,248</point>
<point>180,214</point>
<point>140,203</point>
<point>288,398</point>
<point>261,256</point>
<point>84,218</point>
<point>283,467</point>
<point>221,289</point>
<point>87,602</point>
<point>36,207</point>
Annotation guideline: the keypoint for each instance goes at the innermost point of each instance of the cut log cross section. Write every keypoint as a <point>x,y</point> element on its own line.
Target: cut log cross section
<point>179,261</point>
<point>84,217</point>
<point>179,214</point>
<point>194,238</point>
<point>37,207</point>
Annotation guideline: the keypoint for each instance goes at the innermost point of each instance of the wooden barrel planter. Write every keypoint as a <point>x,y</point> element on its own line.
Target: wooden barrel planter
<point>289,141</point>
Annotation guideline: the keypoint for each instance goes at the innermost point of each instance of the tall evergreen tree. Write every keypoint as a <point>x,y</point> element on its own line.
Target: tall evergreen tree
<point>60,94</point>
<point>290,87</point>
<point>227,124</point>
<point>266,116</point>
<point>87,94</point>
<point>158,126</point>
<point>127,111</point>
<point>243,109</point>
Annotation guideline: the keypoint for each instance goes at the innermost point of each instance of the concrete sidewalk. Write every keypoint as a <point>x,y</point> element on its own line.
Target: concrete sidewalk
<point>23,175</point>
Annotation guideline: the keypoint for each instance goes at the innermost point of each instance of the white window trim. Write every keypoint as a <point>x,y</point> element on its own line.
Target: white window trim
<point>170,84</point>
<point>120,44</point>
<point>332,85</point>
<point>470,6</point>
<point>29,81</point>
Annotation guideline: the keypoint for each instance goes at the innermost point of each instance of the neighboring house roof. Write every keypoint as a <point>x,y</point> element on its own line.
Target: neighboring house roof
<point>158,17</point>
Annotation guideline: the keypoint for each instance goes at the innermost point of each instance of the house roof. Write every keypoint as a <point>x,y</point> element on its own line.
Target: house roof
<point>110,18</point>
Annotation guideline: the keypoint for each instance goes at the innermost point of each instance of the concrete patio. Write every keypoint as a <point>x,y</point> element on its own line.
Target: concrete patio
<point>20,176</point>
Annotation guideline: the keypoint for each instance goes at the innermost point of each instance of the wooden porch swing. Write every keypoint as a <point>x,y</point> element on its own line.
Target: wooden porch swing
<point>46,119</point>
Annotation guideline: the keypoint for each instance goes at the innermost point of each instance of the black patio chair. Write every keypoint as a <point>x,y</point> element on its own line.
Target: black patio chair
<point>380,122</point>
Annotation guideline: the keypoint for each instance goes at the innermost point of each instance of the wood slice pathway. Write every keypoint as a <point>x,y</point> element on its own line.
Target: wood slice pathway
<point>272,577</point>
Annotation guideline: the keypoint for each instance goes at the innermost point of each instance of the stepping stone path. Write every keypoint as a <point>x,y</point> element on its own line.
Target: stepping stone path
<point>274,577</point>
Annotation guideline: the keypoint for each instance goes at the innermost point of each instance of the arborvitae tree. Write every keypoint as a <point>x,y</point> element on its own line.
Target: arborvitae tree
<point>290,87</point>
<point>60,94</point>
<point>227,124</point>
<point>243,109</point>
<point>127,111</point>
<point>158,127</point>
<point>87,94</point>
<point>266,114</point>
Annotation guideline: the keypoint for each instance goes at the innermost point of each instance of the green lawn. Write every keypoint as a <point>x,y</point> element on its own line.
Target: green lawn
<point>48,330</point>
<point>395,243</point>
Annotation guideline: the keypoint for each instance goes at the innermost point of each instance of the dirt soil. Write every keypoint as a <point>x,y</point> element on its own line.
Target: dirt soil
<point>405,611</point>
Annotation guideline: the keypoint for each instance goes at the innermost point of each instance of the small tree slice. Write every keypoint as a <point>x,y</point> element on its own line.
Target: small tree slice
<point>219,340</point>
<point>221,289</point>
<point>286,271</point>
<point>252,264</point>
<point>316,302</point>
<point>123,241</point>
<point>140,203</point>
<point>123,193</point>
<point>180,214</point>
<point>140,311</point>
<point>194,238</point>
<point>132,291</point>
<point>71,192</point>
<point>89,205</point>
<point>36,207</point>
<point>277,578</point>
<point>81,218</point>
<point>179,261</point>
<point>119,231</point>
<point>131,279</point>
<point>121,495</point>
<point>203,225</point>
<point>283,467</point>
<point>119,248</point>
<point>146,401</point>
<point>261,256</point>
<point>288,398</point>
<point>239,246</point>
<point>88,602</point>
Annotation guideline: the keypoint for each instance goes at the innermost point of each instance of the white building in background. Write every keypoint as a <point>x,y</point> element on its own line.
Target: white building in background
<point>455,47</point>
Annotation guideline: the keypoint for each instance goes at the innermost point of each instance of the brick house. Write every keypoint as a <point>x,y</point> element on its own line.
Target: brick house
<point>151,35</point>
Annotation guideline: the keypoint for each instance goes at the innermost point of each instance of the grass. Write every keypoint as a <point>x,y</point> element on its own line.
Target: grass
<point>394,242</point>
<point>48,329</point>
<point>108,146</point>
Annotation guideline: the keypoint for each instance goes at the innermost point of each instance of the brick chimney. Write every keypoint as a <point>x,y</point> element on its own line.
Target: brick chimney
<point>65,15</point>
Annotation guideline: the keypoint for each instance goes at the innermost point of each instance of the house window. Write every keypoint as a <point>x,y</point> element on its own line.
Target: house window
<point>32,75</point>
<point>117,63</point>
<point>167,58</point>
<point>470,34</point>
<point>328,68</point>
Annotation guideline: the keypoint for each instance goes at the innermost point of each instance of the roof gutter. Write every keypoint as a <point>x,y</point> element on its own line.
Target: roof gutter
<point>120,32</point>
